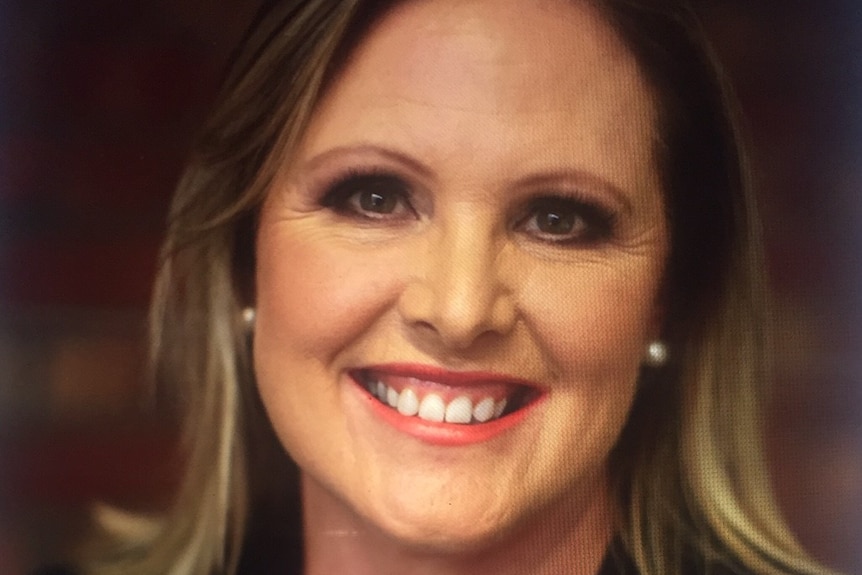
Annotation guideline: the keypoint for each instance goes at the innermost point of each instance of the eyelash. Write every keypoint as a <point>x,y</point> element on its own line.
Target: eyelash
<point>596,221</point>
<point>339,193</point>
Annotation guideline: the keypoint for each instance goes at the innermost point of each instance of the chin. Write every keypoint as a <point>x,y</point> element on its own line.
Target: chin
<point>444,529</point>
<point>444,538</point>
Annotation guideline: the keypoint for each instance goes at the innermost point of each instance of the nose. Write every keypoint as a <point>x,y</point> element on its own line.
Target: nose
<point>460,293</point>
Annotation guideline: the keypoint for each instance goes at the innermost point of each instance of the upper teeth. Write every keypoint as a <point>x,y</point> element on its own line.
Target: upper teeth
<point>432,407</point>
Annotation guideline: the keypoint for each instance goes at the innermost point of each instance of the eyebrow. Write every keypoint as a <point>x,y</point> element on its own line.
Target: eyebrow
<point>537,180</point>
<point>369,150</point>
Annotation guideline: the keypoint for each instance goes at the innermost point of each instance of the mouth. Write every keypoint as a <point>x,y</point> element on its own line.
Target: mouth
<point>435,396</point>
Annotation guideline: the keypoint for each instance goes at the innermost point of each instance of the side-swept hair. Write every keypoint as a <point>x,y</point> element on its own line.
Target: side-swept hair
<point>688,468</point>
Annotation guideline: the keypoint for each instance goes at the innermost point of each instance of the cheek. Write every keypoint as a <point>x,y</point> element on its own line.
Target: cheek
<point>317,294</point>
<point>593,321</point>
<point>315,297</point>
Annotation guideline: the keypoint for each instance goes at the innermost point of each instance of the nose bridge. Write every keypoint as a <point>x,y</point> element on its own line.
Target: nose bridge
<point>462,266</point>
<point>465,280</point>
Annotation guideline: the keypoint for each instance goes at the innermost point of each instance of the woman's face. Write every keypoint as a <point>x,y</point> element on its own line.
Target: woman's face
<point>474,219</point>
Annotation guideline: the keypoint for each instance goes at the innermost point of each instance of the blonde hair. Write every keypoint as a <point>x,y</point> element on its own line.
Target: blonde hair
<point>688,468</point>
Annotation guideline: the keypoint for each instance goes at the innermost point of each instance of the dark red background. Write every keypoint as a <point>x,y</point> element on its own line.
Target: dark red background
<point>98,103</point>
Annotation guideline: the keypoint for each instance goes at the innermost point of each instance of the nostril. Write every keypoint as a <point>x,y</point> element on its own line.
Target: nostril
<point>504,313</point>
<point>457,311</point>
<point>424,326</point>
<point>416,304</point>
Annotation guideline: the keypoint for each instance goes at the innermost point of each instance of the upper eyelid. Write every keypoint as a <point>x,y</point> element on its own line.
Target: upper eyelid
<point>373,156</point>
<point>349,175</point>
<point>530,190</point>
<point>599,220</point>
<point>573,200</point>
<point>369,155</point>
<point>321,171</point>
<point>577,185</point>
<point>334,198</point>
<point>325,179</point>
<point>416,194</point>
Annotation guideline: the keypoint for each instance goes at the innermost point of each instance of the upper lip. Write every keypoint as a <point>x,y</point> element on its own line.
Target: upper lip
<point>447,377</point>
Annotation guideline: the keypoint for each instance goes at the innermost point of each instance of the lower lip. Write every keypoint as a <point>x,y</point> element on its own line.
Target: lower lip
<point>446,434</point>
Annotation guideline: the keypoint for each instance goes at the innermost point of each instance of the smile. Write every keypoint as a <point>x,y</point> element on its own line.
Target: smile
<point>444,399</point>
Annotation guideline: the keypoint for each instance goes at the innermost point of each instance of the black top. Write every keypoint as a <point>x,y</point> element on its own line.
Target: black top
<point>616,562</point>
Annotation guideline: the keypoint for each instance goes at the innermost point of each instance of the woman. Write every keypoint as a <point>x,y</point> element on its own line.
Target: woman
<point>501,278</point>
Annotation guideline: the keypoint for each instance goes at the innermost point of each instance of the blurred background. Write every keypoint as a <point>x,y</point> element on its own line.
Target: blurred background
<point>99,101</point>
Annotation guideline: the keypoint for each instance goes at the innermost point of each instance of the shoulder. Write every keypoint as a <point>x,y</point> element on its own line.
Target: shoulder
<point>721,570</point>
<point>618,562</point>
<point>627,567</point>
<point>55,570</point>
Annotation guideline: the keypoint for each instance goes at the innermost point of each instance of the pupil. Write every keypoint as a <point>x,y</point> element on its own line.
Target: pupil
<point>556,223</point>
<point>377,202</point>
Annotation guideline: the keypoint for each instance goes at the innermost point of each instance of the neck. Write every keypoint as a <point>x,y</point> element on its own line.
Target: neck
<point>568,537</point>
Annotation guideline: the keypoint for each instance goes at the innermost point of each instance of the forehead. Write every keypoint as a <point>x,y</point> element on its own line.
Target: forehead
<point>463,75</point>
<point>494,43</point>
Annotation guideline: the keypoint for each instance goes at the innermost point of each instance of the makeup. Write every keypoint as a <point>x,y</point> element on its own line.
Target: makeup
<point>443,407</point>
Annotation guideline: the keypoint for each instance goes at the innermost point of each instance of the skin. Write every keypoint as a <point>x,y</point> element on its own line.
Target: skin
<point>481,107</point>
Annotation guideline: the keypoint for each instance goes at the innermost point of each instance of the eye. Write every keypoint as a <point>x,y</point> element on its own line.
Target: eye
<point>370,196</point>
<point>567,221</point>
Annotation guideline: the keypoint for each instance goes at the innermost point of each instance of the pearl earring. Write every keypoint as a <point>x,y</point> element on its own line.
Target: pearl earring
<point>656,353</point>
<point>248,315</point>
